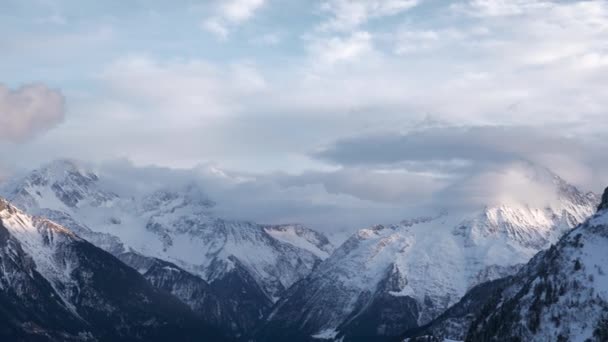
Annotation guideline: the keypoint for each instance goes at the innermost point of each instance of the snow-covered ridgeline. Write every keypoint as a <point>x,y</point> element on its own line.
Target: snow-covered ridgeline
<point>432,260</point>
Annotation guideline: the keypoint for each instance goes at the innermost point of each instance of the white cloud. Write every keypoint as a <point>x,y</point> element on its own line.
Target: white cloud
<point>479,73</point>
<point>515,183</point>
<point>379,185</point>
<point>337,49</point>
<point>29,111</point>
<point>180,91</point>
<point>215,26</point>
<point>500,8</point>
<point>237,11</point>
<point>348,15</point>
<point>229,14</point>
<point>538,64</point>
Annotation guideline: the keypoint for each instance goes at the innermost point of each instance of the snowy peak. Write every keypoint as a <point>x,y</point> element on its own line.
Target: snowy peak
<point>560,295</point>
<point>518,185</point>
<point>61,168</point>
<point>52,279</point>
<point>173,221</point>
<point>21,221</point>
<point>167,199</point>
<point>63,183</point>
<point>540,208</point>
<point>39,238</point>
<point>302,237</point>
<point>427,264</point>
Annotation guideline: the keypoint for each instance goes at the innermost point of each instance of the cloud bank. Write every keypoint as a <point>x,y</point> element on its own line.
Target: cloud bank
<point>514,83</point>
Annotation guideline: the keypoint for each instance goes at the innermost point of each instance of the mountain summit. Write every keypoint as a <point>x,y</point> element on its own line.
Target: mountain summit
<point>560,295</point>
<point>171,235</point>
<point>55,286</point>
<point>386,279</point>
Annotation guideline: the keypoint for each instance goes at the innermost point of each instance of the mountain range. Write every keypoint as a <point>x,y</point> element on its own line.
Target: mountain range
<point>229,272</point>
<point>559,295</point>
<point>447,275</point>
<point>388,279</point>
<point>55,286</point>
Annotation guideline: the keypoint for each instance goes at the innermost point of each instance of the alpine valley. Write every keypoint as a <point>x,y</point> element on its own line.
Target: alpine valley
<point>83,261</point>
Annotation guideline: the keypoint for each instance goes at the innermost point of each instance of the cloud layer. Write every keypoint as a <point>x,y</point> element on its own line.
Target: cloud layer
<point>446,143</point>
<point>318,107</point>
<point>29,111</point>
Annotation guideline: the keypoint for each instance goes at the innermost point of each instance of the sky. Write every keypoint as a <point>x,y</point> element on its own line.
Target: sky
<point>337,112</point>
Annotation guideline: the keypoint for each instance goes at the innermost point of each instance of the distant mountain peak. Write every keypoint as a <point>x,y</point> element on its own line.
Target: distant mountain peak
<point>64,181</point>
<point>560,295</point>
<point>61,169</point>
<point>173,221</point>
<point>55,286</point>
<point>390,277</point>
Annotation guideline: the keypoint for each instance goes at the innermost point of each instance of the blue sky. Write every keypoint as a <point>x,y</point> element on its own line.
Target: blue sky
<point>284,90</point>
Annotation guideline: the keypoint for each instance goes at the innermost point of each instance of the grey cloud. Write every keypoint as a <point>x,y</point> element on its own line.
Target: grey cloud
<point>269,198</point>
<point>344,200</point>
<point>463,151</point>
<point>385,186</point>
<point>481,143</point>
<point>29,111</point>
<point>510,183</point>
<point>5,172</point>
<point>340,201</point>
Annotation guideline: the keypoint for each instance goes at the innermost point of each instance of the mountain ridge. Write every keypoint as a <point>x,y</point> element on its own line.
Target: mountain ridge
<point>419,268</point>
<point>176,224</point>
<point>55,286</point>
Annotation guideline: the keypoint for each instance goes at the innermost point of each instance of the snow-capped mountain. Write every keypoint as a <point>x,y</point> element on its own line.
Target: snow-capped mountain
<point>248,266</point>
<point>560,295</point>
<point>55,286</point>
<point>387,279</point>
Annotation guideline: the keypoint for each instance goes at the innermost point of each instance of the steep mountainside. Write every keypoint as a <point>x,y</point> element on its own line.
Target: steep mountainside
<point>388,279</point>
<point>236,260</point>
<point>55,286</point>
<point>561,295</point>
<point>454,323</point>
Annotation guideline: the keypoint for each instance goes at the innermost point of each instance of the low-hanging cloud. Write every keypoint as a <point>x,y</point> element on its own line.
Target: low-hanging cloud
<point>29,111</point>
<point>277,198</point>
<point>512,184</point>
<point>382,186</point>
<point>466,150</point>
<point>339,202</point>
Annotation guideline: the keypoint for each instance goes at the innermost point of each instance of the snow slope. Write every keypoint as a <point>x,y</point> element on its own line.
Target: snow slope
<point>387,279</point>
<point>55,286</point>
<point>175,224</point>
<point>561,295</point>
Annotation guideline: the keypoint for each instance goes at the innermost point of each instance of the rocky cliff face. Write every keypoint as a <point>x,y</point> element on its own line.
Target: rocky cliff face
<point>55,286</point>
